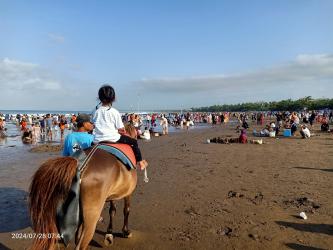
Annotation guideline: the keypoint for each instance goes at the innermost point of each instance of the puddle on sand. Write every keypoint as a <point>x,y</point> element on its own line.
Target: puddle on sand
<point>13,209</point>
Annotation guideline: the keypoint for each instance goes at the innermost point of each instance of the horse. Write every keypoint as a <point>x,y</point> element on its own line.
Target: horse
<point>104,178</point>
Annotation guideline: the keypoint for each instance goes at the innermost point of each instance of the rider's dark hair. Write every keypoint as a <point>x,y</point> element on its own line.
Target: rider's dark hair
<point>106,95</point>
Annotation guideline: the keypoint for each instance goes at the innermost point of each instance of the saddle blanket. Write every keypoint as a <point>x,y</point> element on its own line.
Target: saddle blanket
<point>122,152</point>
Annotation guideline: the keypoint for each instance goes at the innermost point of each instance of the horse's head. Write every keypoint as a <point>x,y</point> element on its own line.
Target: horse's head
<point>131,130</point>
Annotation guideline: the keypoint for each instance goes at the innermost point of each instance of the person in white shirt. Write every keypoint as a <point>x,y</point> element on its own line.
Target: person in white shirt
<point>146,134</point>
<point>35,130</point>
<point>305,132</point>
<point>109,125</point>
<point>164,124</point>
<point>148,119</point>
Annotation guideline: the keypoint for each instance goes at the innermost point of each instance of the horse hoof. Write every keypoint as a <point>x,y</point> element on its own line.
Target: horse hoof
<point>127,234</point>
<point>108,239</point>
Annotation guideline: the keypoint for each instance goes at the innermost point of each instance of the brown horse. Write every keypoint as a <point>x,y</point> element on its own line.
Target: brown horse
<point>104,178</point>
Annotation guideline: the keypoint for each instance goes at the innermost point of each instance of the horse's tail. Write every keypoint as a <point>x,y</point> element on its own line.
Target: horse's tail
<point>49,186</point>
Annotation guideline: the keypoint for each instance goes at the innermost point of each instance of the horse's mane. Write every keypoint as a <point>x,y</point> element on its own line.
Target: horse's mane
<point>131,130</point>
<point>50,185</point>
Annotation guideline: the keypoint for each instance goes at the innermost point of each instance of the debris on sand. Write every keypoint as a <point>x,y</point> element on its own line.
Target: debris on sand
<point>46,148</point>
<point>224,231</point>
<point>258,198</point>
<point>232,194</point>
<point>254,236</point>
<point>303,216</point>
<point>309,204</point>
<point>191,211</point>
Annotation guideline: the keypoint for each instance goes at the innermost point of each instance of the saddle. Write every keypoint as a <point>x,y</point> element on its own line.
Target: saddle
<point>122,152</point>
<point>69,215</point>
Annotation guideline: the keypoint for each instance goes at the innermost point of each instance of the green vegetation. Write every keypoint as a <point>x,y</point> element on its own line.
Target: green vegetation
<point>284,105</point>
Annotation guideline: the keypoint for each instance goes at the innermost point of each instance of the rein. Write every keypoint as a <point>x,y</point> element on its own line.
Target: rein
<point>83,159</point>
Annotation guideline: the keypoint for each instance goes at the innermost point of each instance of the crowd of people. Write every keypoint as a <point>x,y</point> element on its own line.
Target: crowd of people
<point>35,128</point>
<point>50,126</point>
<point>289,122</point>
<point>276,122</point>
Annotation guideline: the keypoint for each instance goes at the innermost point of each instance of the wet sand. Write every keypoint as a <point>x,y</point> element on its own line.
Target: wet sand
<point>205,196</point>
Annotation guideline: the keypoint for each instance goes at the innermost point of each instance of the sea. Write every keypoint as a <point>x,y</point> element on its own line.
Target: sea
<point>63,112</point>
<point>42,112</point>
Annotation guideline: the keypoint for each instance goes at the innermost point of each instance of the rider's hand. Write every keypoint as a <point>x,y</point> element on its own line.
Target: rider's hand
<point>122,131</point>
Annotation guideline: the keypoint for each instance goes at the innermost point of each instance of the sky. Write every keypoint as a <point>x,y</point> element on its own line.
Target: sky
<point>175,54</point>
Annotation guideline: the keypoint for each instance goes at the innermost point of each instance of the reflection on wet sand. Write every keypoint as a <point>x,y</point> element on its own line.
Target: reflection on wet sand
<point>13,209</point>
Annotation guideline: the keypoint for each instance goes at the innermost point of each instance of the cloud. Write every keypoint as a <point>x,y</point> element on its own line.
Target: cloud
<point>56,38</point>
<point>319,59</point>
<point>305,69</point>
<point>16,75</point>
<point>305,75</point>
<point>25,85</point>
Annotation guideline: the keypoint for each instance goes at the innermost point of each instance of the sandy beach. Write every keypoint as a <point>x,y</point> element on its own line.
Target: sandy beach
<point>203,196</point>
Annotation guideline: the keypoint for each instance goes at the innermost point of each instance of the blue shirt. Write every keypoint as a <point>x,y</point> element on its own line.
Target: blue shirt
<point>76,141</point>
<point>49,122</point>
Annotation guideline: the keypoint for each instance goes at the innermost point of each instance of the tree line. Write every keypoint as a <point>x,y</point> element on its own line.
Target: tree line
<point>292,105</point>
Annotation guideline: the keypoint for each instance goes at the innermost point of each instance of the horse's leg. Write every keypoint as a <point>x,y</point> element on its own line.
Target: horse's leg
<point>108,240</point>
<point>126,232</point>
<point>112,213</point>
<point>90,218</point>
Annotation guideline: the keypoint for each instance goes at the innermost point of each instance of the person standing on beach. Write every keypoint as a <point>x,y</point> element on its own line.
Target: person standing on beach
<point>222,118</point>
<point>312,118</point>
<point>48,125</point>
<point>148,119</point>
<point>164,124</point>
<point>29,119</point>
<point>152,120</point>
<point>42,126</point>
<point>35,132</point>
<point>23,125</point>
<point>62,125</point>
<point>55,126</point>
<point>261,119</point>
<point>73,122</point>
<point>109,125</point>
<point>213,119</point>
<point>187,120</point>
